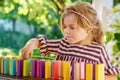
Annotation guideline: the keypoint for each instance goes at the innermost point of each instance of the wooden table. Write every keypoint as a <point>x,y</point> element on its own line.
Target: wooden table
<point>8,77</point>
<point>111,77</point>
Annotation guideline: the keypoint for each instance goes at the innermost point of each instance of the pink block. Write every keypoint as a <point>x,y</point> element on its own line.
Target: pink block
<point>82,69</point>
<point>38,69</point>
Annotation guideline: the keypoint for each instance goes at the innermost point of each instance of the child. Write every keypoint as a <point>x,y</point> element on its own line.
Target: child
<point>82,40</point>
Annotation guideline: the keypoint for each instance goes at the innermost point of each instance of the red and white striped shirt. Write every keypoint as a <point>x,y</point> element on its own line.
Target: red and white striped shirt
<point>93,53</point>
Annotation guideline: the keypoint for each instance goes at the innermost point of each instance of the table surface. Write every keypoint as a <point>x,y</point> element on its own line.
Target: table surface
<point>111,77</point>
<point>8,77</point>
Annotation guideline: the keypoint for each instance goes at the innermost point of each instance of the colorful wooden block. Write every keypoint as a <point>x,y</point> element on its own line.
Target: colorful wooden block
<point>47,69</point>
<point>38,68</point>
<point>34,68</point>
<point>52,67</point>
<point>6,66</point>
<point>29,66</point>
<point>42,69</point>
<point>55,70</point>
<point>13,67</point>
<point>25,67</point>
<point>19,67</point>
<point>66,71</point>
<point>77,71</point>
<point>2,65</point>
<point>60,69</point>
<point>89,71</point>
<point>99,70</point>
<point>82,70</point>
<point>72,71</point>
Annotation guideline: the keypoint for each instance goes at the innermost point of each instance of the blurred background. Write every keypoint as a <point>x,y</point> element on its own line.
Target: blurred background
<point>21,20</point>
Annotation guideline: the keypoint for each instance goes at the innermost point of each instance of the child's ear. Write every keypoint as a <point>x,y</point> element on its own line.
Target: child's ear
<point>89,30</point>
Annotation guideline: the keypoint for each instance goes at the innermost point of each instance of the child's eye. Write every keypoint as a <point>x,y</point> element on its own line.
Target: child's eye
<point>71,27</point>
<point>64,27</point>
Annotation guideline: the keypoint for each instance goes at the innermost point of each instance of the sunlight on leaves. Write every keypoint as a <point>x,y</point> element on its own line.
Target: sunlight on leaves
<point>16,1</point>
<point>6,52</point>
<point>9,8</point>
<point>109,37</point>
<point>23,11</point>
<point>32,15</point>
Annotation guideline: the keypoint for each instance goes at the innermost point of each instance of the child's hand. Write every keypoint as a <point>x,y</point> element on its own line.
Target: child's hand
<point>29,47</point>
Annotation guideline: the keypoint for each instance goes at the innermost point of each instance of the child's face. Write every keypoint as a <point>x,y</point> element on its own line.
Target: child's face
<point>72,31</point>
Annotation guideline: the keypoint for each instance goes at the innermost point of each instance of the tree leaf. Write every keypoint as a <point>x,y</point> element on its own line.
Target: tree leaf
<point>117,36</point>
<point>109,37</point>
<point>32,15</point>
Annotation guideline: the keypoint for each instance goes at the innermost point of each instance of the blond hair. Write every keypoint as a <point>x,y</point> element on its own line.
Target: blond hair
<point>90,13</point>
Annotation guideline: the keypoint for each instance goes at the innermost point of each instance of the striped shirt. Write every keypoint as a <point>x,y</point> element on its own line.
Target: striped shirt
<point>92,53</point>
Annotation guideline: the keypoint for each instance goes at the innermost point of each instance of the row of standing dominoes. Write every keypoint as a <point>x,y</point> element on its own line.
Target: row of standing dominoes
<point>51,69</point>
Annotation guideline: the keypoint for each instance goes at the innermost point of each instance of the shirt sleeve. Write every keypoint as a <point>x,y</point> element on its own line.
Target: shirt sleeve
<point>104,58</point>
<point>48,46</point>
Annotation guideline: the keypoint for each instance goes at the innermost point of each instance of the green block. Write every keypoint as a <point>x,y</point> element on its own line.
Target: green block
<point>36,52</point>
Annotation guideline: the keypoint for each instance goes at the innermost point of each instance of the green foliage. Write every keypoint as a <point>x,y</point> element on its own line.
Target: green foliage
<point>88,1</point>
<point>32,15</point>
<point>1,2</point>
<point>116,2</point>
<point>109,37</point>
<point>15,43</point>
<point>117,36</point>
<point>118,77</point>
<point>6,52</point>
<point>114,36</point>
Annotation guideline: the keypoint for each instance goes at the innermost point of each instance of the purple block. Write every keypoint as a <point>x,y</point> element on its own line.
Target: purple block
<point>72,72</point>
<point>34,63</point>
<point>19,67</point>
<point>94,71</point>
<point>42,69</point>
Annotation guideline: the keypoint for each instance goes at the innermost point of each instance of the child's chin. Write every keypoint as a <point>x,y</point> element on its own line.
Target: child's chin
<point>71,42</point>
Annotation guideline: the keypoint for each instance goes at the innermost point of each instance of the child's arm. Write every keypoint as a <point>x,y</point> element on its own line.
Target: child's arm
<point>45,46</point>
<point>27,50</point>
<point>48,46</point>
<point>104,58</point>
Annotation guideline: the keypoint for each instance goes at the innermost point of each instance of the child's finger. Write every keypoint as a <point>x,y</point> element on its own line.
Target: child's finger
<point>30,55</point>
<point>26,55</point>
<point>23,53</point>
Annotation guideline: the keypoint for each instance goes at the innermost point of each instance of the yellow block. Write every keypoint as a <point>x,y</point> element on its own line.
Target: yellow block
<point>66,71</point>
<point>47,69</point>
<point>2,65</point>
<point>25,68</point>
<point>89,71</point>
<point>99,70</point>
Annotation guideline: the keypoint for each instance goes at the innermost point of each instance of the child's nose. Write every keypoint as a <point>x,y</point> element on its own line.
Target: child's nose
<point>67,31</point>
